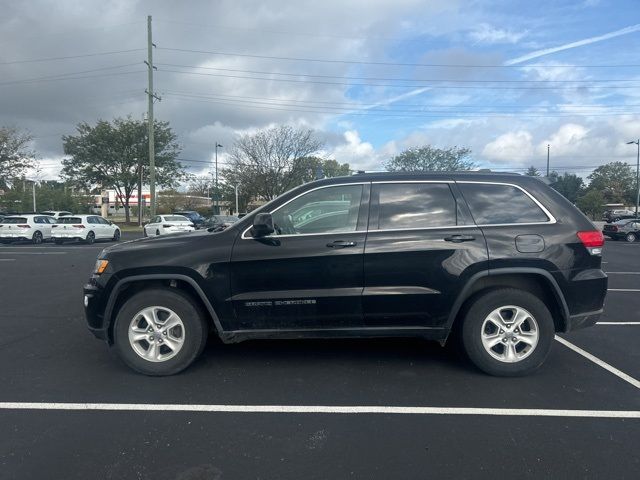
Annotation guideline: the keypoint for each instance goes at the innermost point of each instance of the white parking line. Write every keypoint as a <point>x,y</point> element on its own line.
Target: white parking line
<point>623,289</point>
<point>7,259</point>
<point>170,407</point>
<point>617,323</point>
<point>601,363</point>
<point>33,253</point>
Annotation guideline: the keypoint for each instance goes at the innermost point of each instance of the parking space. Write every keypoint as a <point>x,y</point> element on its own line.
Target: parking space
<point>221,428</point>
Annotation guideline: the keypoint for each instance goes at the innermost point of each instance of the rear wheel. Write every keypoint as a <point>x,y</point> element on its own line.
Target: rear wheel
<point>507,332</point>
<point>37,238</point>
<point>159,332</point>
<point>91,237</point>
<point>631,237</point>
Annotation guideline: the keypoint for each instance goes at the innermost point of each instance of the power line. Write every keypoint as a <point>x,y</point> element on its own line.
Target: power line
<point>362,62</point>
<point>262,72</point>
<point>393,85</point>
<point>63,75</point>
<point>73,78</point>
<point>68,57</point>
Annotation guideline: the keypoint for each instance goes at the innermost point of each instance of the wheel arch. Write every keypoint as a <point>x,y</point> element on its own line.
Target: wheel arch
<point>537,281</point>
<point>129,286</point>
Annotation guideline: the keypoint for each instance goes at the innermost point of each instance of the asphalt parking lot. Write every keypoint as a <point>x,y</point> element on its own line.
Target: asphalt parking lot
<point>306,409</point>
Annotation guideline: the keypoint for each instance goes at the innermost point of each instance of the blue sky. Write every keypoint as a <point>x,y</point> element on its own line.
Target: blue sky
<point>371,77</point>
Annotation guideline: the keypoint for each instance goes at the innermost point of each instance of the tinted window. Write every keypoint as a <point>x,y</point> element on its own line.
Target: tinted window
<point>415,205</point>
<point>102,221</point>
<point>69,220</point>
<point>490,204</point>
<point>14,220</point>
<point>343,220</point>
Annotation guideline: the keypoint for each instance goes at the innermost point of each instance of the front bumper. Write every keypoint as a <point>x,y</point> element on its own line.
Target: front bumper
<point>94,312</point>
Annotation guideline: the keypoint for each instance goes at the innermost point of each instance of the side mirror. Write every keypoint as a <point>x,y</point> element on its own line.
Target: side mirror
<point>262,225</point>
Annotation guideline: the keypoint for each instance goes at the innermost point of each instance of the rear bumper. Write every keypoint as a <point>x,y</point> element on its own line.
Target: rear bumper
<point>583,320</point>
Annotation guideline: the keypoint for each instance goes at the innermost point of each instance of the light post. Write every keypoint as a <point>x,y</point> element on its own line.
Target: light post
<point>216,207</point>
<point>236,189</point>
<point>637,142</point>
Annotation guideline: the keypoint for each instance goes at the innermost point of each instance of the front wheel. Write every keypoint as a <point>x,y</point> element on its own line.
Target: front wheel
<point>91,237</point>
<point>37,238</point>
<point>630,237</point>
<point>159,332</point>
<point>507,332</point>
<point>116,236</point>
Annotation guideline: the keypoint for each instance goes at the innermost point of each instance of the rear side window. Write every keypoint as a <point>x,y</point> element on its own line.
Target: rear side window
<point>13,220</point>
<point>497,204</point>
<point>414,205</point>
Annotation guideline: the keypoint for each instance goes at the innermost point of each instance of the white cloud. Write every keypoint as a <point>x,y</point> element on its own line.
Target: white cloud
<point>509,146</point>
<point>490,35</point>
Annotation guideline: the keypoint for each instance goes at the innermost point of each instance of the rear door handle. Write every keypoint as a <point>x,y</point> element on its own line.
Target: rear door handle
<point>341,244</point>
<point>459,238</point>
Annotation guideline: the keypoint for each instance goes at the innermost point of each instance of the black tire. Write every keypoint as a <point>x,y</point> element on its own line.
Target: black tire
<point>37,238</point>
<point>144,232</point>
<point>91,237</point>
<point>58,241</point>
<point>631,237</point>
<point>477,310</point>
<point>195,330</point>
<point>116,236</point>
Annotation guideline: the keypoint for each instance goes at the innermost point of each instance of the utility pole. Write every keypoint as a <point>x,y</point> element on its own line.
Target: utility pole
<point>548,147</point>
<point>637,142</point>
<point>152,96</point>
<point>140,216</point>
<point>216,208</point>
<point>34,196</point>
<point>236,189</point>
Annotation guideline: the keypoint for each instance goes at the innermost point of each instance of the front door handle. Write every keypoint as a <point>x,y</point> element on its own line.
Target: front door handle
<point>459,238</point>
<point>341,244</point>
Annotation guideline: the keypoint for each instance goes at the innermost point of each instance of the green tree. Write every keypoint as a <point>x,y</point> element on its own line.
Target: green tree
<point>267,163</point>
<point>108,153</point>
<point>431,159</point>
<point>532,172</point>
<point>591,203</point>
<point>15,155</point>
<point>307,169</point>
<point>615,180</point>
<point>569,184</point>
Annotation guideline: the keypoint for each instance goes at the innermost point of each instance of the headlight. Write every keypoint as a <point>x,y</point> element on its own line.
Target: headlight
<point>100,267</point>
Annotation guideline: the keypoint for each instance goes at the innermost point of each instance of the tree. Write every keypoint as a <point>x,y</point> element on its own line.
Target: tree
<point>267,163</point>
<point>591,203</point>
<point>431,159</point>
<point>15,155</point>
<point>307,169</point>
<point>532,172</point>
<point>616,181</point>
<point>201,186</point>
<point>107,155</point>
<point>569,184</point>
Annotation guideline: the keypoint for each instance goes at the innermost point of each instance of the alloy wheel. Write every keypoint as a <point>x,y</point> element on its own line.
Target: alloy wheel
<point>156,334</point>
<point>510,334</point>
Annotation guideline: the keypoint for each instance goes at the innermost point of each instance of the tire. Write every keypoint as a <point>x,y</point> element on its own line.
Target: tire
<point>58,241</point>
<point>631,237</point>
<point>37,238</point>
<point>194,331</point>
<point>91,237</point>
<point>504,358</point>
<point>144,232</point>
<point>116,236</point>
<point>157,232</point>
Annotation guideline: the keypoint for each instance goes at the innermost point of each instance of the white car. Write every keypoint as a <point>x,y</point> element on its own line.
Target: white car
<point>87,228</point>
<point>164,224</point>
<point>36,228</point>
<point>57,213</point>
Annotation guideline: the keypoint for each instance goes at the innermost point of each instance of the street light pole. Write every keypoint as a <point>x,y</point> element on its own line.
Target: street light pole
<point>236,189</point>
<point>637,142</point>
<point>216,205</point>
<point>548,148</point>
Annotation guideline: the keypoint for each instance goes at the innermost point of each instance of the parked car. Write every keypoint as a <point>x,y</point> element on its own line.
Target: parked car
<point>164,224</point>
<point>56,213</point>
<point>195,217</point>
<point>612,216</point>
<point>220,221</point>
<point>627,229</point>
<point>504,260</point>
<point>87,228</point>
<point>34,227</point>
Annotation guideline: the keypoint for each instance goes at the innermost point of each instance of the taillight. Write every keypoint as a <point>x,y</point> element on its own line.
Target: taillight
<point>78,226</point>
<point>23,226</point>
<point>593,240</point>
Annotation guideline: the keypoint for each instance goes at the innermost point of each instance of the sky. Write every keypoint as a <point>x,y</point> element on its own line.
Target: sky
<point>370,77</point>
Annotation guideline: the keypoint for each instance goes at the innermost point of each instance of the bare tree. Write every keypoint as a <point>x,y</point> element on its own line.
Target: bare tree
<point>264,163</point>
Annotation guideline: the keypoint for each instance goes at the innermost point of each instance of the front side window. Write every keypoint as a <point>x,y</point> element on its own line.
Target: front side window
<point>325,210</point>
<point>500,204</point>
<point>414,205</point>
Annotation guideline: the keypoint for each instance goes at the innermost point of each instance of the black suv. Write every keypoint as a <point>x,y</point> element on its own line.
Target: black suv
<point>502,260</point>
<point>197,219</point>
